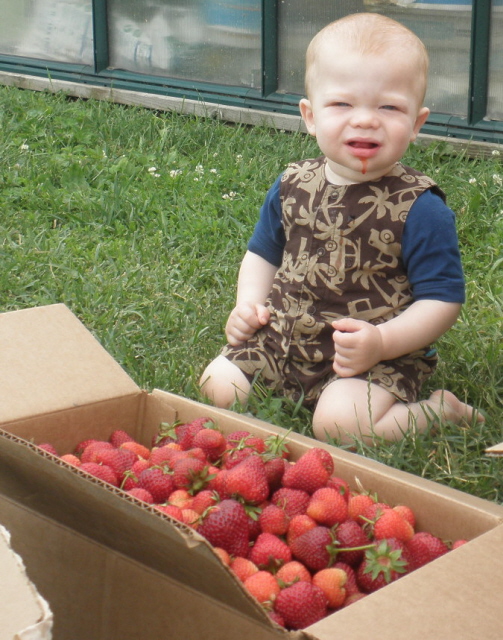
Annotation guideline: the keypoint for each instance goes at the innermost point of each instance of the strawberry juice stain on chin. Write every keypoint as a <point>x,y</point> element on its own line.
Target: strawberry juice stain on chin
<point>364,162</point>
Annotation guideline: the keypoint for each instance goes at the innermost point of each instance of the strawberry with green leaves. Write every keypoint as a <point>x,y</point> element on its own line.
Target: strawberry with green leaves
<point>270,552</point>
<point>385,562</point>
<point>315,548</point>
<point>226,525</point>
<point>159,483</point>
<point>327,506</point>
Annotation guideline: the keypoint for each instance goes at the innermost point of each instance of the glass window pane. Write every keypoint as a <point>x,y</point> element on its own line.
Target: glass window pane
<point>215,41</point>
<point>59,30</point>
<point>444,28</point>
<point>495,96</point>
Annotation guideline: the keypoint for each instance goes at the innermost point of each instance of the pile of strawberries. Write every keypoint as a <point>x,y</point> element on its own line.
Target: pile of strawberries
<point>301,542</point>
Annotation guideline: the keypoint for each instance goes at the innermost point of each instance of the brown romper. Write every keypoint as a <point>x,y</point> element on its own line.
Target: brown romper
<point>342,258</point>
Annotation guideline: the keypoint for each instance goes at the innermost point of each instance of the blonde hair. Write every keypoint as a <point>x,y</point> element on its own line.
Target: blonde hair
<point>374,34</point>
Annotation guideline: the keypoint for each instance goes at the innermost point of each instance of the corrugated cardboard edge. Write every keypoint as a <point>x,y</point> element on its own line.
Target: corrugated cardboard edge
<point>42,629</point>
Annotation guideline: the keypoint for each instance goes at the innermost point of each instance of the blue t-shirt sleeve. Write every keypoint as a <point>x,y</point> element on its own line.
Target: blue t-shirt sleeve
<point>268,239</point>
<point>430,251</point>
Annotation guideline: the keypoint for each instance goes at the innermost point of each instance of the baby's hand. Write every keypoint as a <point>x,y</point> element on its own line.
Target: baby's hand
<point>358,346</point>
<point>245,319</point>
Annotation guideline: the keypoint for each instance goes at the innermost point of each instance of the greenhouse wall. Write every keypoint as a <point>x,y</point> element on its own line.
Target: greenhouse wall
<point>250,53</point>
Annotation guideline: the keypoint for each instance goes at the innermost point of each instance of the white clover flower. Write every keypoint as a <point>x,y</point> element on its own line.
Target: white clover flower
<point>215,155</point>
<point>495,152</point>
<point>472,180</point>
<point>199,169</point>
<point>239,156</point>
<point>497,179</point>
<point>175,173</point>
<point>229,196</point>
<point>213,171</point>
<point>24,147</point>
<point>152,169</point>
<point>196,179</point>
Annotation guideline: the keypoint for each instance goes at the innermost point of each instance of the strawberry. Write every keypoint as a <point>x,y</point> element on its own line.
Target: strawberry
<point>243,568</point>
<point>327,506</point>
<point>141,494</point>
<point>157,482</point>
<point>291,572</point>
<point>217,483</point>
<point>190,474</point>
<point>171,510</point>
<point>181,498</point>
<point>341,485</point>
<point>248,480</point>
<point>293,501</point>
<point>357,504</point>
<point>138,449</point>
<point>311,471</point>
<point>101,471</point>
<point>72,459</point>
<point>185,432</point>
<point>254,529</point>
<point>277,446</point>
<point>203,500</point>
<point>274,471</point>
<point>299,524</point>
<point>211,441</point>
<point>315,548</point>
<point>131,476</point>
<point>191,518</point>
<point>50,448</point>
<point>79,448</point>
<point>269,552</point>
<point>273,519</point>
<point>223,555</point>
<point>350,585</point>
<point>89,453</point>
<point>350,537</point>
<point>119,461</point>
<point>118,437</point>
<point>384,563</point>
<point>406,513</point>
<point>332,582</point>
<point>236,437</point>
<point>226,525</point>
<point>425,547</point>
<point>165,456</point>
<point>374,510</point>
<point>458,543</point>
<point>390,524</point>
<point>300,605</point>
<point>263,586</point>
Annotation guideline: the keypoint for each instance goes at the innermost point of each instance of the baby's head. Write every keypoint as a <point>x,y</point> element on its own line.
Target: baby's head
<point>369,34</point>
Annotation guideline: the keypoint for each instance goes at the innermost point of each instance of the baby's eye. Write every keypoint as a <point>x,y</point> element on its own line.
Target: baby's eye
<point>389,107</point>
<point>340,104</point>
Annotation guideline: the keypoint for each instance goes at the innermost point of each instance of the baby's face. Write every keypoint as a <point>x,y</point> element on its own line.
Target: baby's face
<point>364,110</point>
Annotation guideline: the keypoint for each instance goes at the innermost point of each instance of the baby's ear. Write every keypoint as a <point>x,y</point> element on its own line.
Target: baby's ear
<point>422,116</point>
<point>306,111</point>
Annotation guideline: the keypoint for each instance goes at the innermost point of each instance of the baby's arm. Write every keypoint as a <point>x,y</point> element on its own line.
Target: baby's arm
<point>255,279</point>
<point>360,345</point>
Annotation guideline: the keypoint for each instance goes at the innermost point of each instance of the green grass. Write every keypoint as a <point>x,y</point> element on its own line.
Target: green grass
<point>138,221</point>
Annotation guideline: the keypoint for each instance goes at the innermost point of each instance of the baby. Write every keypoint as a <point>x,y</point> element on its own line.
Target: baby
<point>353,270</point>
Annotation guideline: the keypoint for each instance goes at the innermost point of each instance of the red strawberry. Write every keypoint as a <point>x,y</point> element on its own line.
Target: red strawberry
<point>327,506</point>
<point>71,459</point>
<point>263,586</point>
<point>273,519</point>
<point>332,582</point>
<point>191,518</point>
<point>458,543</point>
<point>101,471</point>
<point>293,501</point>
<point>301,605</point>
<point>171,510</point>
<point>119,461</point>
<point>181,498</point>
<point>89,453</point>
<point>384,563</point>
<point>226,526</point>
<point>185,432</point>
<point>299,524</point>
<point>138,449</point>
<point>274,470</point>
<point>269,552</point>
<point>311,471</point>
<point>351,585</point>
<point>217,483</point>
<point>341,485</point>
<point>406,513</point>
<point>277,446</point>
<point>47,446</point>
<point>291,572</point>
<point>157,482</point>
<point>243,568</point>
<point>425,547</point>
<point>248,480</point>
<point>223,555</point>
<point>211,441</point>
<point>350,535</point>
<point>83,445</point>
<point>190,474</point>
<point>165,456</point>
<point>204,499</point>
<point>357,504</point>
<point>315,548</point>
<point>118,437</point>
<point>141,494</point>
<point>390,524</point>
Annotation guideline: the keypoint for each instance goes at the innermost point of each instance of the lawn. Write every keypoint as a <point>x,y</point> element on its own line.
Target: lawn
<point>138,220</point>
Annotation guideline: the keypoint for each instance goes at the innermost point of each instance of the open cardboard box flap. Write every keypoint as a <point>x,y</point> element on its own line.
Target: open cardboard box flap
<point>63,387</point>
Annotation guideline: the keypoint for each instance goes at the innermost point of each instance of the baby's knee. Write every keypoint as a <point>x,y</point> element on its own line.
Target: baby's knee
<point>224,384</point>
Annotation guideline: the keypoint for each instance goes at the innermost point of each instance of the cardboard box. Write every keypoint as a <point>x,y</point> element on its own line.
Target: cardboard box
<point>112,567</point>
<point>24,614</point>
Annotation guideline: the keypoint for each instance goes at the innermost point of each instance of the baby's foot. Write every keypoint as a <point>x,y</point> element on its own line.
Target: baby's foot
<point>452,409</point>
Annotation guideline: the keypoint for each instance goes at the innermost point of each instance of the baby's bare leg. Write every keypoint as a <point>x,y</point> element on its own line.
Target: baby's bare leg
<point>350,408</point>
<point>223,383</point>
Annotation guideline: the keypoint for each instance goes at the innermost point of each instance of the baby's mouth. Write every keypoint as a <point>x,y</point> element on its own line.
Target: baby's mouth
<point>363,148</point>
